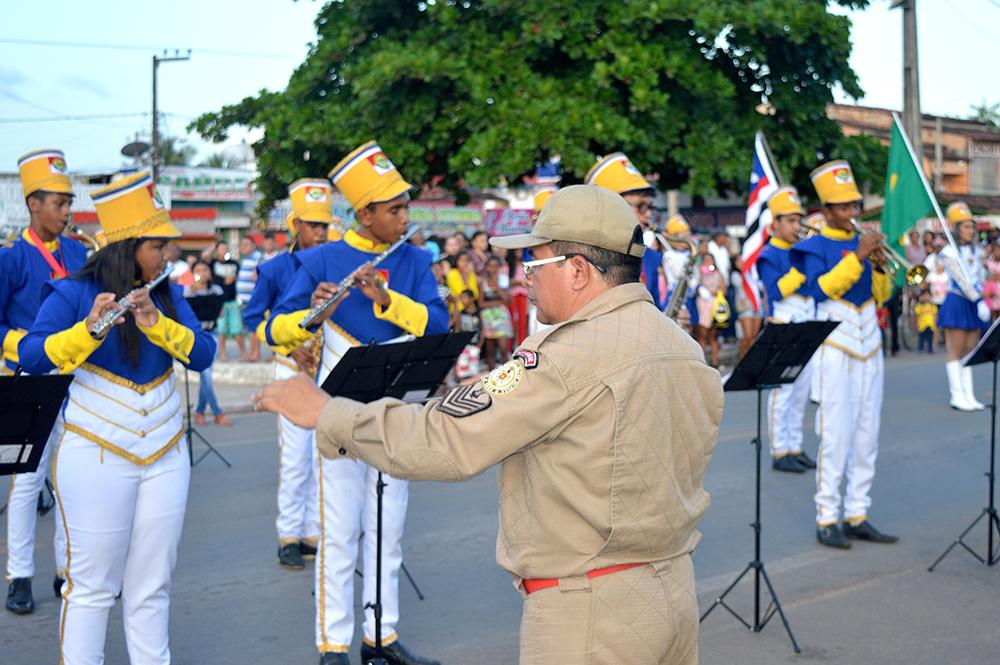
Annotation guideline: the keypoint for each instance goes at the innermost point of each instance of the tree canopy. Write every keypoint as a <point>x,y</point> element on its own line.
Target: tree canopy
<point>477,92</point>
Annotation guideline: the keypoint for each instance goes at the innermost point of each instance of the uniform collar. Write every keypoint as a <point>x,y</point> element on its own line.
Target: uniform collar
<point>612,299</point>
<point>779,243</point>
<point>355,240</point>
<point>52,245</point>
<point>836,234</point>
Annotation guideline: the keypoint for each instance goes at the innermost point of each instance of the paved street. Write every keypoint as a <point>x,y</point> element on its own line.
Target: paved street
<point>233,604</point>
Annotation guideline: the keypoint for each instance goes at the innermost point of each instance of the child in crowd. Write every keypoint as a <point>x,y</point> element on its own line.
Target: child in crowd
<point>205,299</point>
<point>467,320</point>
<point>926,313</point>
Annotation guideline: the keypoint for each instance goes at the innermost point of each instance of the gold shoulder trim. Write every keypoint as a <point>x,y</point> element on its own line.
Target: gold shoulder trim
<point>121,452</point>
<point>141,388</point>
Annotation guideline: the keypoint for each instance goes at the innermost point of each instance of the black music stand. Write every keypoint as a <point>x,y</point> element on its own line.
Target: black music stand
<point>29,406</point>
<point>408,370</point>
<point>986,351</point>
<point>777,357</point>
<point>190,432</point>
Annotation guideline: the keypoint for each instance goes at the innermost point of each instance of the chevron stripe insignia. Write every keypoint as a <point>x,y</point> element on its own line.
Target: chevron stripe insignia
<point>466,400</point>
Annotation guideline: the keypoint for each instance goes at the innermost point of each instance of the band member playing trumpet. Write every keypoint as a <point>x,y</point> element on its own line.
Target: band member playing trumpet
<point>121,468</point>
<point>400,298</point>
<point>787,302</point>
<point>963,312</point>
<point>298,489</point>
<point>837,264</point>
<point>36,256</point>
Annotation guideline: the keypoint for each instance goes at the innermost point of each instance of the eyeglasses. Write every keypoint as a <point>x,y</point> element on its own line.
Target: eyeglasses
<point>529,266</point>
<point>642,208</point>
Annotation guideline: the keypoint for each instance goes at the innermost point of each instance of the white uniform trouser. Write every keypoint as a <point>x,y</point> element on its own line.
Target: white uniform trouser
<point>347,495</point>
<point>22,514</point>
<point>298,490</point>
<point>123,525</point>
<point>786,407</point>
<point>847,423</point>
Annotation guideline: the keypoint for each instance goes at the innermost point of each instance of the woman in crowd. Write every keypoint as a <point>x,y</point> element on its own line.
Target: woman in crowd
<point>496,328</point>
<point>121,468</point>
<point>480,253</point>
<point>205,299</point>
<point>518,293</point>
<point>461,277</point>
<point>750,316</point>
<point>710,284</point>
<point>962,315</point>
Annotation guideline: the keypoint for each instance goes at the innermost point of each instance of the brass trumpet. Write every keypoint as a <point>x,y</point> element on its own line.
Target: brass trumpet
<point>915,275</point>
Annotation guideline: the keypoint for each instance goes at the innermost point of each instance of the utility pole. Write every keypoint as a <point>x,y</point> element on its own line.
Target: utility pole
<point>155,153</point>
<point>911,77</point>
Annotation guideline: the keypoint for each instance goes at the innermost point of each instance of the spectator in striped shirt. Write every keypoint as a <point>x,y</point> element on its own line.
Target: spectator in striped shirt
<point>250,256</point>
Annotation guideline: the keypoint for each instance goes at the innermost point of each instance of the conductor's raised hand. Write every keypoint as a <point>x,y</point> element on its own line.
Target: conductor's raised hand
<point>372,284</point>
<point>298,399</point>
<point>103,304</point>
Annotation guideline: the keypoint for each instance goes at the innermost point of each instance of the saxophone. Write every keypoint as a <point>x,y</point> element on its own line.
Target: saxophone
<point>679,295</point>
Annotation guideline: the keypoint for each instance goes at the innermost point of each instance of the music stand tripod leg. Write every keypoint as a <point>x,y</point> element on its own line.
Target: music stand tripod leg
<point>190,432</point>
<point>757,565</point>
<point>376,607</point>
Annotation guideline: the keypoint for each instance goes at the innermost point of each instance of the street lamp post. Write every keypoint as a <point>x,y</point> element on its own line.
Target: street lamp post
<point>155,154</point>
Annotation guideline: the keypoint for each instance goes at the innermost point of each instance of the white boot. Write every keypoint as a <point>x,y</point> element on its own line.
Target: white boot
<point>958,398</point>
<point>970,395</point>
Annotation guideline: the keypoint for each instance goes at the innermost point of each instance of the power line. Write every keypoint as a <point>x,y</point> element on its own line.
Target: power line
<point>93,116</point>
<point>144,47</point>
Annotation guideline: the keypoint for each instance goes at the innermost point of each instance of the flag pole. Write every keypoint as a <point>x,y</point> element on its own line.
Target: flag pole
<point>770,158</point>
<point>927,186</point>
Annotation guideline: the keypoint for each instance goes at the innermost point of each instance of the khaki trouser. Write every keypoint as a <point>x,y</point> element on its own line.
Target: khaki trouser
<point>642,616</point>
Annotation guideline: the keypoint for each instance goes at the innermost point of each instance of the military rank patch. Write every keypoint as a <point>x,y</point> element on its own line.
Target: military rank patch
<point>504,379</point>
<point>465,400</point>
<point>529,358</point>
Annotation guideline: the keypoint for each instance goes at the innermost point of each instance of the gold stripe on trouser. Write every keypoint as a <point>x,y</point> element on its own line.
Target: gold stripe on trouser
<point>68,585</point>
<point>642,616</point>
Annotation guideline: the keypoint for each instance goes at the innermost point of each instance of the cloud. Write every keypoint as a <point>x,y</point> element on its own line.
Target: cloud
<point>92,86</point>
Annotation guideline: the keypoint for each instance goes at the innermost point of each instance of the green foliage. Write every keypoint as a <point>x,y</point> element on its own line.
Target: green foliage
<point>173,152</point>
<point>476,92</point>
<point>988,114</point>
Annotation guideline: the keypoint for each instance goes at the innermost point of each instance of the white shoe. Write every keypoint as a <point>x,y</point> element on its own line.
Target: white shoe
<point>970,395</point>
<point>958,399</point>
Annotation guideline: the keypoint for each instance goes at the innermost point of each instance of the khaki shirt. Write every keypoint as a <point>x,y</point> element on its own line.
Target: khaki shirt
<point>603,426</point>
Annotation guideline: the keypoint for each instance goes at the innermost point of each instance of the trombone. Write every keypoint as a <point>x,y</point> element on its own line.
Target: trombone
<point>915,275</point>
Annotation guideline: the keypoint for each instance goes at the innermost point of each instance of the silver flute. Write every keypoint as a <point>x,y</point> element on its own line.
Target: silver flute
<point>123,305</point>
<point>347,283</point>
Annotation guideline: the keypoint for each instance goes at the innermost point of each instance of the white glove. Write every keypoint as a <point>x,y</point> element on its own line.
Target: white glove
<point>983,311</point>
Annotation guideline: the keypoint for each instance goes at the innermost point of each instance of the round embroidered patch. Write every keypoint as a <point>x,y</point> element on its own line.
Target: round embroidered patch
<point>504,379</point>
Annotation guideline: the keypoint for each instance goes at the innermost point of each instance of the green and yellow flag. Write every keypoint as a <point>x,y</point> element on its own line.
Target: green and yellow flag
<point>906,196</point>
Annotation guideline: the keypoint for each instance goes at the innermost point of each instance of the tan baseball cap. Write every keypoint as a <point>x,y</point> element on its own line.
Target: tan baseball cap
<point>586,214</point>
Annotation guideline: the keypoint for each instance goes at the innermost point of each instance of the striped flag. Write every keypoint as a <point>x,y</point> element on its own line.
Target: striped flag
<point>763,183</point>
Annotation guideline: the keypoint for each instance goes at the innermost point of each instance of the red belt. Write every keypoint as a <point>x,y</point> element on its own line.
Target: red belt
<point>531,586</point>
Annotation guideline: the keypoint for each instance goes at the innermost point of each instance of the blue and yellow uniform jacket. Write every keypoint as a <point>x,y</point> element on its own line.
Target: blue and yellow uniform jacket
<point>416,307</point>
<point>787,298</point>
<point>845,289</point>
<point>272,278</point>
<point>651,260</point>
<point>132,411</point>
<point>23,273</point>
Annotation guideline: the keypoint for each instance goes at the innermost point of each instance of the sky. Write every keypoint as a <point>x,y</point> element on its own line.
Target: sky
<point>239,48</point>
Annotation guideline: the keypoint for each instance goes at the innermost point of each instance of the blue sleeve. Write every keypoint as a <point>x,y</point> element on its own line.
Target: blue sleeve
<point>59,312</point>
<point>8,270</point>
<point>651,261</point>
<point>296,296</point>
<point>427,293</point>
<point>203,352</point>
<point>769,275</point>
<point>808,259</point>
<point>260,300</point>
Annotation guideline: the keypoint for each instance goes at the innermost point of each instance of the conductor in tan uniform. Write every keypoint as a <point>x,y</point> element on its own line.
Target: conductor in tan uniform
<point>602,424</point>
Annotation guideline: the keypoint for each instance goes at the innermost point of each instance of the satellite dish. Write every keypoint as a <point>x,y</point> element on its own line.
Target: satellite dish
<point>136,149</point>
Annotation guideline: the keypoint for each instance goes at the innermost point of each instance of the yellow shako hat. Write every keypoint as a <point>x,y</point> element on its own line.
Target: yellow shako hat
<point>959,212</point>
<point>785,201</point>
<point>366,176</point>
<point>617,173</point>
<point>834,182</point>
<point>131,208</point>
<point>311,202</point>
<point>541,197</point>
<point>677,225</point>
<point>44,170</point>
